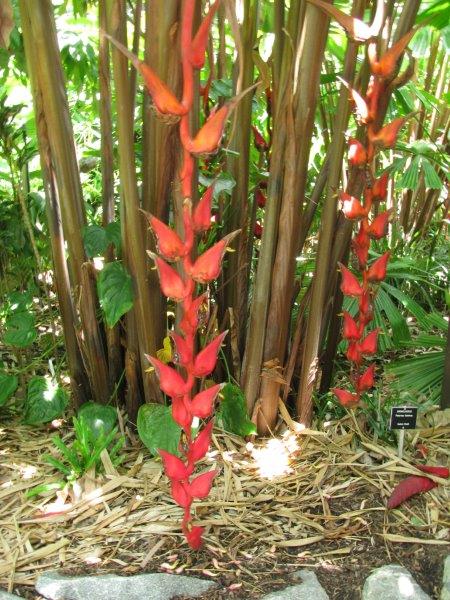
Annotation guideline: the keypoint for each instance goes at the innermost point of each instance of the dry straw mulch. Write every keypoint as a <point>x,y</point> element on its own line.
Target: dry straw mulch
<point>289,500</point>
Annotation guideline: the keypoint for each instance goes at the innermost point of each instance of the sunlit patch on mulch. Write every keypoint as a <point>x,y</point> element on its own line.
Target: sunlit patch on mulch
<point>305,499</point>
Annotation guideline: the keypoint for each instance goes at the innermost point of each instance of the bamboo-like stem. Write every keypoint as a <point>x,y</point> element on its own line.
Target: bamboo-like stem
<point>328,220</point>
<point>115,362</point>
<point>132,223</point>
<point>309,54</point>
<point>445,393</point>
<point>237,274</point>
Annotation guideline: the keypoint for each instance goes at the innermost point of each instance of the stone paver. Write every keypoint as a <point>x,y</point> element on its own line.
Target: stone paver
<point>150,586</point>
<point>392,582</point>
<point>445,592</point>
<point>308,589</point>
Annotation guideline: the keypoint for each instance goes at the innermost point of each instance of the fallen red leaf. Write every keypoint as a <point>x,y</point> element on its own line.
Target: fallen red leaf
<point>438,471</point>
<point>409,487</point>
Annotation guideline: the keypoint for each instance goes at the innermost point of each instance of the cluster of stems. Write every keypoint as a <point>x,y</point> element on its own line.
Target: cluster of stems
<point>361,155</point>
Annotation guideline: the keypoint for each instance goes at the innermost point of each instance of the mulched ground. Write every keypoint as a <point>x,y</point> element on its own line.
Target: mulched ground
<point>307,499</point>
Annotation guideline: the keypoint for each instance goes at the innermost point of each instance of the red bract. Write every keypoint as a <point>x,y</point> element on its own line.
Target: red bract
<point>409,487</point>
<point>180,414</point>
<point>438,471</point>
<point>260,142</point>
<point>205,361</point>
<point>164,99</point>
<point>350,329</point>
<point>379,226</point>
<point>380,187</point>
<point>170,381</point>
<point>386,137</point>
<point>183,352</point>
<point>201,485</point>
<point>367,380</point>
<point>199,447</point>
<point>171,283</point>
<point>260,198</point>
<point>257,230</point>
<point>174,466</point>
<point>207,266</point>
<point>200,41</point>
<point>180,494</point>
<point>194,315</point>
<point>369,344</point>
<point>202,404</point>
<point>357,154</point>
<point>201,218</point>
<point>354,354</point>
<point>360,246</point>
<point>208,137</point>
<point>352,207</point>
<point>386,66</point>
<point>194,536</point>
<point>377,270</point>
<point>346,398</point>
<point>168,241</point>
<point>350,285</point>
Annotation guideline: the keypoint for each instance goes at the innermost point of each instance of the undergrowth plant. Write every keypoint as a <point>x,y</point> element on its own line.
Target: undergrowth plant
<point>183,285</point>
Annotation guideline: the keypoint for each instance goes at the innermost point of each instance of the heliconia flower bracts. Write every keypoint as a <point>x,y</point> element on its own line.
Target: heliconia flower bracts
<point>363,344</point>
<point>181,285</point>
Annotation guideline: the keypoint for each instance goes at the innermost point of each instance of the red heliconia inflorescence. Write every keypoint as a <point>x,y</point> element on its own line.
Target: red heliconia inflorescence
<point>362,344</point>
<point>180,383</point>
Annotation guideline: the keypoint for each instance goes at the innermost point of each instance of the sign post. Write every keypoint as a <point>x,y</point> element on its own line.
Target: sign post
<point>402,418</point>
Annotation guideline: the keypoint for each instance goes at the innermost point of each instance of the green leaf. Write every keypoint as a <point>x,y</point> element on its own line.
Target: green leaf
<point>8,385</point>
<point>20,330</point>
<point>410,178</point>
<point>157,429</point>
<point>224,183</point>
<point>97,418</point>
<point>114,235</point>
<point>95,240</point>
<point>115,292</point>
<point>436,15</point>
<point>233,411</point>
<point>45,401</point>
<point>432,180</point>
<point>44,489</point>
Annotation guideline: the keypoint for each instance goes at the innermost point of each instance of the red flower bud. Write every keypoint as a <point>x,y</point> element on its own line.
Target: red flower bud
<point>200,41</point>
<point>260,199</point>
<point>181,494</point>
<point>174,467</point>
<point>170,380</point>
<point>201,485</point>
<point>346,398</point>
<point>365,309</point>
<point>374,91</point>
<point>259,141</point>
<point>357,154</point>
<point>171,283</point>
<point>194,537</point>
<point>205,361</point>
<point>350,286</point>
<point>385,67</point>
<point>202,213</point>
<point>367,379</point>
<point>377,270</point>
<point>257,230</point>
<point>386,137</point>
<point>207,266</point>
<point>379,226</point>
<point>168,241</point>
<point>352,207</point>
<point>202,403</point>
<point>369,344</point>
<point>180,414</point>
<point>200,445</point>
<point>182,354</point>
<point>351,330</point>
<point>380,186</point>
<point>164,99</point>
